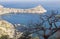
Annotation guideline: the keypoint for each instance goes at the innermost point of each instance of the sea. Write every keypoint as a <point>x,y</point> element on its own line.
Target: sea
<point>25,19</point>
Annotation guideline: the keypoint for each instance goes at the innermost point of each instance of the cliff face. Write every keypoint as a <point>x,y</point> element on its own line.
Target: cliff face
<point>6,28</point>
<point>57,35</point>
<point>38,9</point>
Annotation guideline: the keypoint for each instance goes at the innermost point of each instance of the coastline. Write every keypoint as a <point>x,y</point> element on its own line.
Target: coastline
<point>38,10</point>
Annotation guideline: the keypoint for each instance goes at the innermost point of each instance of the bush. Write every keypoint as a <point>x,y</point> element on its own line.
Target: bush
<point>4,37</point>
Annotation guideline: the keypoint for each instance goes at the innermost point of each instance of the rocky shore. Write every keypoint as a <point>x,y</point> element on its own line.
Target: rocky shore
<point>38,10</point>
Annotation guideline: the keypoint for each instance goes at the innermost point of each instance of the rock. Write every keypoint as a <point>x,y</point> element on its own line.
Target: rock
<point>6,28</point>
<point>37,10</point>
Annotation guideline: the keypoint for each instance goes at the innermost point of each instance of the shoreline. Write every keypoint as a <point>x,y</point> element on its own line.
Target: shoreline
<point>36,10</point>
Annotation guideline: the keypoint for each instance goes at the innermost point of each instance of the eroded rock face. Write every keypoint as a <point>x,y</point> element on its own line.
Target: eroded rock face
<point>6,28</point>
<point>57,35</point>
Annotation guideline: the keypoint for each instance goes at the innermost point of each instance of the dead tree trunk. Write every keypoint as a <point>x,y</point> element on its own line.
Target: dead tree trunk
<point>45,37</point>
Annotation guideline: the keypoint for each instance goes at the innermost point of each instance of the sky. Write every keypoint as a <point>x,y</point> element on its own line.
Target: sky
<point>25,0</point>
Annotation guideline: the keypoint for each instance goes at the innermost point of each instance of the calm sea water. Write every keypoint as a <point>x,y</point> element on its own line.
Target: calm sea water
<point>26,18</point>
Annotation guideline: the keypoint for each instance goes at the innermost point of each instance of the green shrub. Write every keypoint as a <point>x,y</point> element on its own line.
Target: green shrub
<point>4,37</point>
